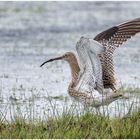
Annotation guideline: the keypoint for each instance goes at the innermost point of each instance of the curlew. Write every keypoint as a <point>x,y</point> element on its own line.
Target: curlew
<point>95,70</point>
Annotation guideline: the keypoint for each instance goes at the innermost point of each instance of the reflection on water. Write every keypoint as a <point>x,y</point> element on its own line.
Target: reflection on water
<point>32,32</point>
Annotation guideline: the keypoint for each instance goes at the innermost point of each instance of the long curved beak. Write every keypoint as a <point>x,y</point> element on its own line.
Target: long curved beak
<point>57,58</point>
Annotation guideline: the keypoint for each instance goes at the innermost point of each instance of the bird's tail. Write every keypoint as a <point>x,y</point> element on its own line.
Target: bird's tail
<point>112,97</point>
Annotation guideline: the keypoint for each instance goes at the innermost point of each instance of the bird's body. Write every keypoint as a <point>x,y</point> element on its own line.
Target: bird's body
<point>95,70</point>
<point>87,87</point>
<point>86,83</point>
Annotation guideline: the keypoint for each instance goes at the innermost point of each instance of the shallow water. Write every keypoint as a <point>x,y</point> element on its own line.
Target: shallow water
<point>32,32</point>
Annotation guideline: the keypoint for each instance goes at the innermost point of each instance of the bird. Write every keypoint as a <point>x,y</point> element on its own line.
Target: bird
<point>86,85</point>
<point>95,70</point>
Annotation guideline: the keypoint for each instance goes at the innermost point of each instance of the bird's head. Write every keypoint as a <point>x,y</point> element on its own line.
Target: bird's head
<point>68,56</point>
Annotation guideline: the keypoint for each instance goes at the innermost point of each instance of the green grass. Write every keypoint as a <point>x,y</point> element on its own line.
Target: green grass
<point>69,126</point>
<point>129,90</point>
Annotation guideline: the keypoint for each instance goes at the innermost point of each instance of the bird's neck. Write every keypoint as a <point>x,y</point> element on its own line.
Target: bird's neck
<point>74,72</point>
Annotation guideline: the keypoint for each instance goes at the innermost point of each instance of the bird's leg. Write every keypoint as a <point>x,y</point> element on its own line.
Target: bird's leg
<point>86,107</point>
<point>98,111</point>
<point>103,110</point>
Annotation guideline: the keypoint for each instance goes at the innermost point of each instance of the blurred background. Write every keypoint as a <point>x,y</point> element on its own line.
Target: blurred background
<point>32,32</point>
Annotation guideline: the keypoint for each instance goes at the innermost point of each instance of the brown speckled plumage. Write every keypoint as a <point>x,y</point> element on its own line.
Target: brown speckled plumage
<point>111,39</point>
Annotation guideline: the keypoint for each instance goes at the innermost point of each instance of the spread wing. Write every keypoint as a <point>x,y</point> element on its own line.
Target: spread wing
<point>111,39</point>
<point>90,76</point>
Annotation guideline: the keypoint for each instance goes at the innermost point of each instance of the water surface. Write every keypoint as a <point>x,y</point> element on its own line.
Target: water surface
<point>32,32</point>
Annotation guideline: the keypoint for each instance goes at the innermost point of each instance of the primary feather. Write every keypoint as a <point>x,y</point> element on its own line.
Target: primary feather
<point>111,39</point>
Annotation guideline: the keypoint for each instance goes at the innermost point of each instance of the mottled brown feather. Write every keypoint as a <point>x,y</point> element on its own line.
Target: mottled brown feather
<point>111,39</point>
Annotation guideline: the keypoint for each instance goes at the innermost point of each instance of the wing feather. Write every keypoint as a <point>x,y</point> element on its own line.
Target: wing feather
<point>111,39</point>
<point>90,68</point>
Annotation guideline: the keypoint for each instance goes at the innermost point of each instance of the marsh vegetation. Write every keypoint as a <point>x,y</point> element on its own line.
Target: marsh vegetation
<point>71,120</point>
